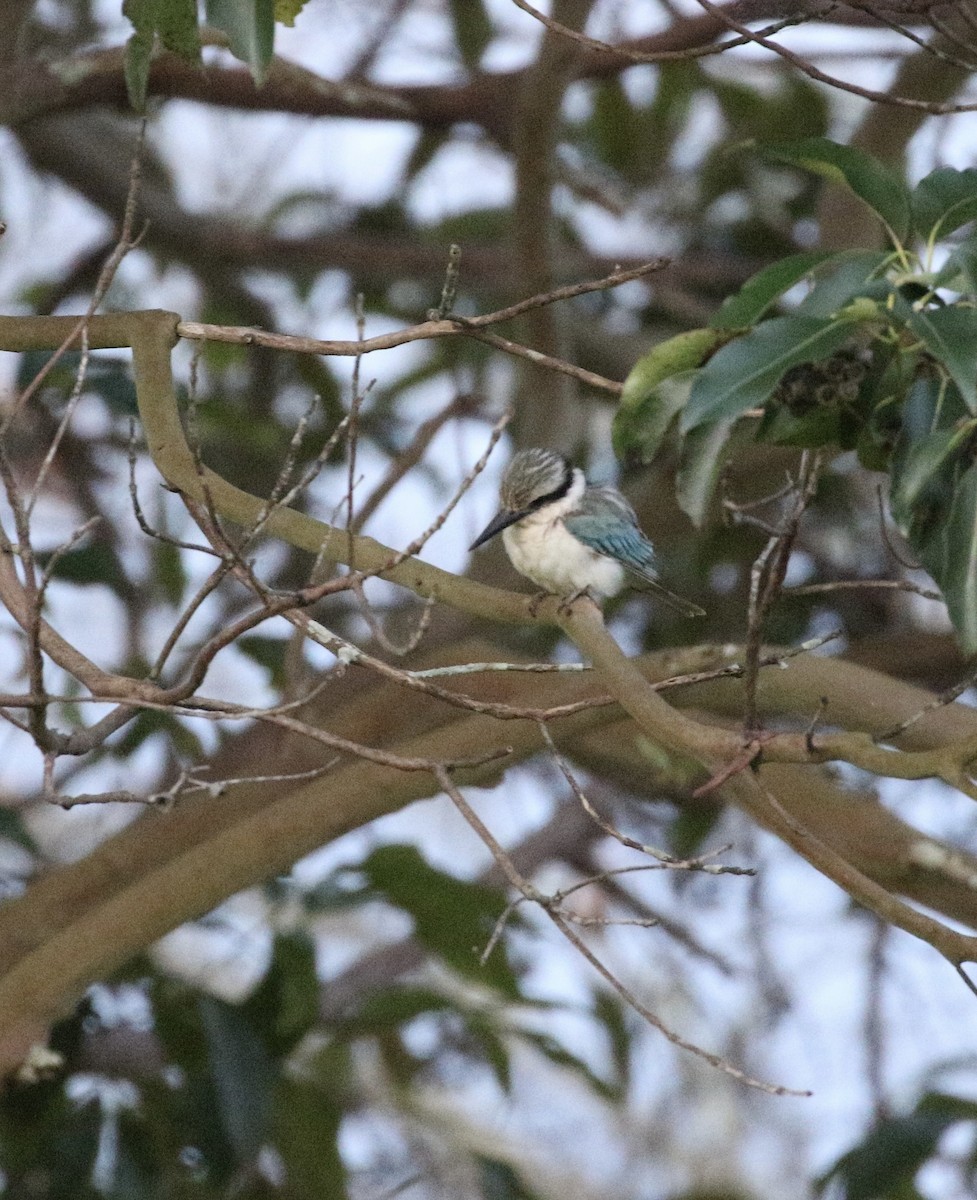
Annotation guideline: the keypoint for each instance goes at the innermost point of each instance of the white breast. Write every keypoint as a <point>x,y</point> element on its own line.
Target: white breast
<point>541,547</point>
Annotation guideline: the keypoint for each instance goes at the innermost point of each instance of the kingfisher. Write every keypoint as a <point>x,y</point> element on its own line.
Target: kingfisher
<point>572,538</point>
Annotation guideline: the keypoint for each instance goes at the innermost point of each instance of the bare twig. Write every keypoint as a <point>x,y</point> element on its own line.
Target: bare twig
<point>526,890</point>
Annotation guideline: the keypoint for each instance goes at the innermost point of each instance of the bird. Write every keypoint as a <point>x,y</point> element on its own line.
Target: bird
<point>570,537</point>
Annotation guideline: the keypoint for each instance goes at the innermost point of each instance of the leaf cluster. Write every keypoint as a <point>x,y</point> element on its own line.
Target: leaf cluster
<point>871,351</point>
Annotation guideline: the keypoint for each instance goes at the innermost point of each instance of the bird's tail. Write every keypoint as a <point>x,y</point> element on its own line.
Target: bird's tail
<point>677,603</point>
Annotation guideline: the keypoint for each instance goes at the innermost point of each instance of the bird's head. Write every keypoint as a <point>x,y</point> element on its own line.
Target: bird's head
<point>533,479</point>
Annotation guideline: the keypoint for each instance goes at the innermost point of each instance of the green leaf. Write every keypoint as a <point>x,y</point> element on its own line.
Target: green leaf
<point>136,1173</point>
<point>89,565</point>
<point>13,829</point>
<point>922,464</point>
<point>383,1011</point>
<point>267,652</point>
<point>950,335</point>
<point>944,200</point>
<point>855,274</point>
<point>959,272</point>
<point>306,1131</point>
<point>499,1181</point>
<point>72,1153</point>
<point>657,388</point>
<point>250,29</point>
<point>753,299</point>
<point>704,450</point>
<point>890,1155</point>
<point>176,23</point>
<point>138,57</point>
<point>287,10</point>
<point>242,1074</point>
<point>473,29</point>
<point>743,374</point>
<point>285,1005</point>
<point>168,571</point>
<point>934,496</point>
<point>638,432</point>
<point>453,918</point>
<point>870,180</point>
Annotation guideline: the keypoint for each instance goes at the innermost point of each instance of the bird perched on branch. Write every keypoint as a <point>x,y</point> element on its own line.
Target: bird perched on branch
<point>570,537</point>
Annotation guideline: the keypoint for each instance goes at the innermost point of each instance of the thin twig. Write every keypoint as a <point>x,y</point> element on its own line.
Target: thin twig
<point>527,890</point>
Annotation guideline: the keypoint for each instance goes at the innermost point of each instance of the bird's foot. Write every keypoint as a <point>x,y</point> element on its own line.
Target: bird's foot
<point>535,601</point>
<point>568,601</point>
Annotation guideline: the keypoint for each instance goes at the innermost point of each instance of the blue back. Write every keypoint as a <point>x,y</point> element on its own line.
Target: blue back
<point>604,521</point>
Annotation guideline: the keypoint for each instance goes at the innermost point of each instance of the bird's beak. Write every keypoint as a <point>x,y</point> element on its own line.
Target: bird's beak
<point>502,520</point>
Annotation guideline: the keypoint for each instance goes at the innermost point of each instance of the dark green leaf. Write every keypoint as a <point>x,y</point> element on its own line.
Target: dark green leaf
<point>743,374</point>
<point>499,1181</point>
<point>922,463</point>
<point>168,571</point>
<point>704,451</point>
<point>848,275</point>
<point>639,431</point>
<point>870,180</point>
<point>12,828</point>
<point>748,305</point>
<point>610,1012</point>
<point>944,200</point>
<point>934,496</point>
<point>393,1007</point>
<point>950,335</point>
<point>176,23</point>
<point>94,564</point>
<point>139,49</point>
<point>136,1173</point>
<point>453,918</point>
<point>267,652</point>
<point>473,29</point>
<point>306,1130</point>
<point>250,29</point>
<point>242,1074</point>
<point>285,1005</point>
<point>150,722</point>
<point>494,1051</point>
<point>959,272</point>
<point>73,1153</point>
<point>891,1155</point>
<point>819,427</point>
<point>561,1057</point>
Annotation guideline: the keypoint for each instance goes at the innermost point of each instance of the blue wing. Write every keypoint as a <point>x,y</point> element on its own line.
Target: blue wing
<point>604,521</point>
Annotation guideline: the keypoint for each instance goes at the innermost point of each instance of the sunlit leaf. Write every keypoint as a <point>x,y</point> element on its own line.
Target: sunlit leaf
<point>870,180</point>
<point>657,388</point>
<point>287,10</point>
